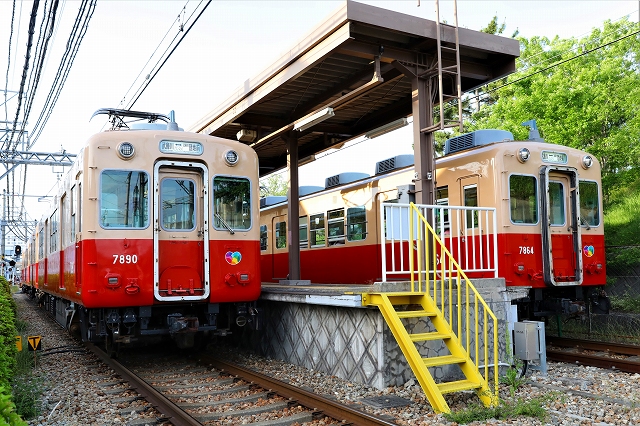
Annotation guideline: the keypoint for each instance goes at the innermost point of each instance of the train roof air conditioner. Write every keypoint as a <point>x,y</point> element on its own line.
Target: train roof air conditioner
<point>477,138</point>
<point>343,178</point>
<point>271,200</point>
<point>309,189</point>
<point>394,163</point>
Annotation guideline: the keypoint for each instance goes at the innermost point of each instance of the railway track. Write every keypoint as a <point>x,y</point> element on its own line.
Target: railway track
<point>596,354</point>
<point>189,392</point>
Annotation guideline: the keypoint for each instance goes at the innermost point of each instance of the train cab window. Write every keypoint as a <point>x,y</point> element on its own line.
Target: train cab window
<point>471,200</point>
<point>281,235</point>
<point>124,199</point>
<point>303,229</point>
<point>589,204</point>
<point>178,204</point>
<point>335,222</point>
<point>356,223</point>
<point>231,203</point>
<point>264,238</point>
<point>523,199</point>
<point>556,203</point>
<point>316,230</point>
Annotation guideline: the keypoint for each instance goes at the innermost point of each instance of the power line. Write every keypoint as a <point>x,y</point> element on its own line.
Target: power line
<point>149,80</point>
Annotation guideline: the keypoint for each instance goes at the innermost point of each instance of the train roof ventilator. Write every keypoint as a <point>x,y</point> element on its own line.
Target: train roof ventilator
<point>477,138</point>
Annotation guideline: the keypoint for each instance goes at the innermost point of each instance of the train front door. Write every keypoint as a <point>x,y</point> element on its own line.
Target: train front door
<point>561,231</point>
<point>181,231</point>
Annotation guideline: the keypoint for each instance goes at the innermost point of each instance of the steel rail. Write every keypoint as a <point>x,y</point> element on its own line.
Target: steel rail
<point>618,348</point>
<point>311,400</point>
<point>594,361</point>
<point>175,414</point>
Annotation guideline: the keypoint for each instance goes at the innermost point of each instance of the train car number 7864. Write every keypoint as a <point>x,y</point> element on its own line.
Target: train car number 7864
<point>523,250</point>
<point>122,259</point>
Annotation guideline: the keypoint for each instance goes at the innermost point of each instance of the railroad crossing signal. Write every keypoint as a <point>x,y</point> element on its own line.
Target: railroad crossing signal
<point>34,343</point>
<point>19,343</point>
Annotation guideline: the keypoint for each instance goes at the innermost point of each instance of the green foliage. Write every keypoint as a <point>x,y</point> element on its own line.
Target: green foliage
<point>630,304</point>
<point>7,334</point>
<point>513,377</point>
<point>506,410</point>
<point>274,184</point>
<point>26,395</point>
<point>590,102</point>
<point>8,415</point>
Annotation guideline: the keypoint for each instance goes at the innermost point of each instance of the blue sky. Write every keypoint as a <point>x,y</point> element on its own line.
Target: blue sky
<point>233,41</point>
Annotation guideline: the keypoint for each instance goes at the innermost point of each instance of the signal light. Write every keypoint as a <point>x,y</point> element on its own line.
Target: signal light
<point>17,251</point>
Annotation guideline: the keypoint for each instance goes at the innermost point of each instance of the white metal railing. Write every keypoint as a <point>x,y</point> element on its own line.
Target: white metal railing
<point>469,233</point>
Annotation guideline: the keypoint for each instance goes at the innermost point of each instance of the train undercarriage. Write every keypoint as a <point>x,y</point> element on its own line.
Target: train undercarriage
<point>576,301</point>
<point>188,325</point>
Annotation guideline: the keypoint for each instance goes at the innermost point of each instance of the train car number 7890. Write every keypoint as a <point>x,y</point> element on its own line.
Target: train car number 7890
<point>526,250</point>
<point>122,259</point>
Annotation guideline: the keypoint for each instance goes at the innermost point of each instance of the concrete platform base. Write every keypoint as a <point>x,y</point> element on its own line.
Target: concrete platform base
<point>325,328</point>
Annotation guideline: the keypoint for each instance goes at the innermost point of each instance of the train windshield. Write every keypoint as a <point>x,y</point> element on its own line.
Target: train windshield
<point>589,203</point>
<point>231,202</point>
<point>124,199</point>
<point>523,194</point>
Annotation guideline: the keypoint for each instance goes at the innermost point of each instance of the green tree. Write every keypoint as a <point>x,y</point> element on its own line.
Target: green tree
<point>584,93</point>
<point>274,184</point>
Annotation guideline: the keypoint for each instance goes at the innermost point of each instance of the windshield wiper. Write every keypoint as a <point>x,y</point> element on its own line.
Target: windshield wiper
<point>226,225</point>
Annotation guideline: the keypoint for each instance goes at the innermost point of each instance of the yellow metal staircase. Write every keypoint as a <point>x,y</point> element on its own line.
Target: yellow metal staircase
<point>441,297</point>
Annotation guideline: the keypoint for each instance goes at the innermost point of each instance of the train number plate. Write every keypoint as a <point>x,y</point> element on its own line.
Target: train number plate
<point>526,249</point>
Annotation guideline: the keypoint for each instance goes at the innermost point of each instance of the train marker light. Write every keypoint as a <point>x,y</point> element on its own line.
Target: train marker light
<point>523,155</point>
<point>126,150</point>
<point>587,161</point>
<point>231,157</point>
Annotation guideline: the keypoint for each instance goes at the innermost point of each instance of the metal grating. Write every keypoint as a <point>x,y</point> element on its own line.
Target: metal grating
<point>459,143</point>
<point>385,166</point>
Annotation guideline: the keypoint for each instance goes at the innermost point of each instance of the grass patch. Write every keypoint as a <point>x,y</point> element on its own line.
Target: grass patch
<point>27,392</point>
<point>507,409</point>
<point>626,303</point>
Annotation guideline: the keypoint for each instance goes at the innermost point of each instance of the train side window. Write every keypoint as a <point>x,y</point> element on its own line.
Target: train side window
<point>264,238</point>
<point>72,223</point>
<point>281,235</point>
<point>589,203</point>
<point>471,200</point>
<point>231,202</point>
<point>442,216</point>
<point>523,199</point>
<point>356,223</point>
<point>303,229</point>
<point>53,232</point>
<point>41,243</point>
<point>316,228</point>
<point>335,222</point>
<point>556,203</point>
<point>124,199</point>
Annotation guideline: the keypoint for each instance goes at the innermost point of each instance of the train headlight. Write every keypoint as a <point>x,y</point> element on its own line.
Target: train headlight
<point>231,157</point>
<point>523,155</point>
<point>126,150</point>
<point>587,161</point>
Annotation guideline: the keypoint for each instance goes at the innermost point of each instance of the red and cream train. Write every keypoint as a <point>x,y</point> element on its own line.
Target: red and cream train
<point>548,201</point>
<point>154,232</point>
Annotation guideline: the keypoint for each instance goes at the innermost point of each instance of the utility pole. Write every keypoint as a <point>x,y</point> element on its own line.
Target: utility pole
<point>3,225</point>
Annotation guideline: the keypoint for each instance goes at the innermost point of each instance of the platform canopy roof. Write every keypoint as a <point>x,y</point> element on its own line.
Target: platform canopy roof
<point>352,62</point>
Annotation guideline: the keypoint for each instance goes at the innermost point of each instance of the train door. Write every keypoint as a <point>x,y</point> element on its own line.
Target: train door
<point>468,223</point>
<point>279,248</point>
<point>561,238</point>
<point>181,231</point>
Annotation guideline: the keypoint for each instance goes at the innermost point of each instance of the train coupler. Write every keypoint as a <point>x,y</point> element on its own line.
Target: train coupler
<point>180,324</point>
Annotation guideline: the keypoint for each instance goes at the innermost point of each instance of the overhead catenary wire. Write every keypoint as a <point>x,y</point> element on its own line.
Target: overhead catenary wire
<point>6,85</point>
<point>150,79</point>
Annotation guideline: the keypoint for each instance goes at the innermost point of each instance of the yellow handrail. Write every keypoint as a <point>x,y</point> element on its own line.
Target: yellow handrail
<point>448,268</point>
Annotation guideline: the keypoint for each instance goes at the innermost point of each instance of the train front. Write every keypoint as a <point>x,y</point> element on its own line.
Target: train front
<point>169,243</point>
